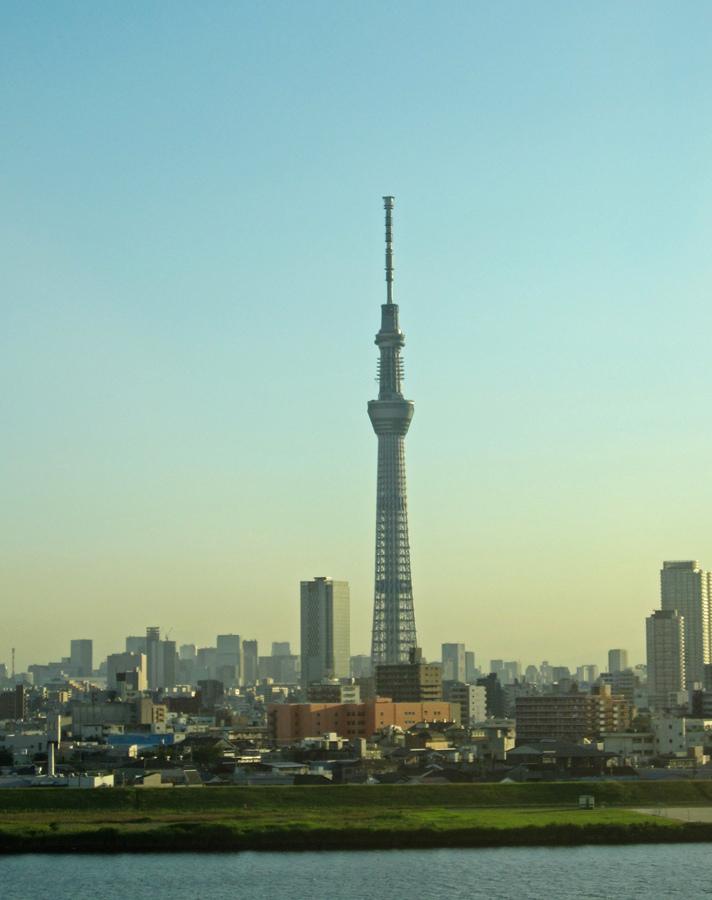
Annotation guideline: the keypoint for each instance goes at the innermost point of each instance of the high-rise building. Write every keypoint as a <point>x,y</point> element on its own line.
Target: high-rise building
<point>250,657</point>
<point>206,663</point>
<point>617,661</point>
<point>185,667</point>
<point>546,672</point>
<point>686,588</point>
<point>136,644</point>
<point>532,675</point>
<point>81,657</point>
<point>325,629</point>
<point>497,667</point>
<point>14,703</point>
<point>119,664</point>
<point>494,694</point>
<point>281,648</point>
<point>167,657</point>
<point>587,674</point>
<point>453,659</point>
<point>153,639</point>
<point>471,673</point>
<point>706,684</point>
<point>229,658</point>
<point>666,638</point>
<point>560,674</point>
<point>282,669</point>
<point>511,672</point>
<point>393,634</point>
<point>625,683</point>
<point>361,666</point>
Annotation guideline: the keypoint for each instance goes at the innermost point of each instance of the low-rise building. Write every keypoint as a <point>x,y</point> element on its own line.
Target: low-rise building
<point>412,682</point>
<point>633,748</point>
<point>571,716</point>
<point>293,722</point>
<point>677,735</point>
<point>87,717</point>
<point>332,691</point>
<point>471,698</point>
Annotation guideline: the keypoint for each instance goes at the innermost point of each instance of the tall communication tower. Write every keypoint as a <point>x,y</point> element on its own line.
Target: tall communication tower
<point>393,615</point>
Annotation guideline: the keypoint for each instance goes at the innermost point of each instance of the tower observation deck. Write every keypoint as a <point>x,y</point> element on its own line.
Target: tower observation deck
<point>393,616</point>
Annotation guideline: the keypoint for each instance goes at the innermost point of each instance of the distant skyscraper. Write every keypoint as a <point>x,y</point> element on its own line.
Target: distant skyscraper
<point>136,644</point>
<point>453,659</point>
<point>228,661</point>
<point>206,663</point>
<point>393,634</point>
<point>511,672</point>
<point>153,639</point>
<point>81,657</point>
<point>560,674</point>
<point>587,674</point>
<point>281,648</point>
<point>250,657</point>
<point>361,666</point>
<point>325,629</point>
<point>685,587</point>
<point>185,668</point>
<point>665,641</point>
<point>471,673</point>
<point>167,664</point>
<point>617,661</point>
<point>118,664</point>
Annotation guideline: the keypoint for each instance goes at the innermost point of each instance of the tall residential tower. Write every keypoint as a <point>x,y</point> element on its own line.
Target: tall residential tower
<point>666,644</point>
<point>685,587</point>
<point>393,615</point>
<point>325,630</point>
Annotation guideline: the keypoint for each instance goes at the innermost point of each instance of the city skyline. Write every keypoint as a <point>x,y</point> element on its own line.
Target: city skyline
<point>192,261</point>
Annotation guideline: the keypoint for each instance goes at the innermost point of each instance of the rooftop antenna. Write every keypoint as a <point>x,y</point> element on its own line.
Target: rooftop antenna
<point>388,204</point>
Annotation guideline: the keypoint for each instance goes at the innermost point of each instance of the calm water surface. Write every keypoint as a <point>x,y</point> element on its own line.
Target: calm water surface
<point>580,873</point>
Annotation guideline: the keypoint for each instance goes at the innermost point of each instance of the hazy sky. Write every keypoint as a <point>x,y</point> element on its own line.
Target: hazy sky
<point>191,270</point>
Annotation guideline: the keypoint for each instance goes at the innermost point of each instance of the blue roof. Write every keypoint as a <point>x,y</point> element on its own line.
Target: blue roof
<point>142,739</point>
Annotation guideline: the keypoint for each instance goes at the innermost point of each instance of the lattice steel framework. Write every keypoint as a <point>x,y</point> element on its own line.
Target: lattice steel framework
<point>393,616</point>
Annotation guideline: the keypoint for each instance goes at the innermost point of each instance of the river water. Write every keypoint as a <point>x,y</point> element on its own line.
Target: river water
<point>577,873</point>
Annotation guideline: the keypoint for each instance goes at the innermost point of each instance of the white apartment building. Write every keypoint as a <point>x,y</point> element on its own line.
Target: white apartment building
<point>676,735</point>
<point>687,588</point>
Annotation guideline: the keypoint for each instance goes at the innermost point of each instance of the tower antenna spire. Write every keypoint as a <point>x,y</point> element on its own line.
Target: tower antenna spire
<point>388,204</point>
<point>393,635</point>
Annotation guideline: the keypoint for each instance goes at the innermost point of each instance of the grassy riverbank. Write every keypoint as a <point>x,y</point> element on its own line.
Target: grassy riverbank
<point>349,817</point>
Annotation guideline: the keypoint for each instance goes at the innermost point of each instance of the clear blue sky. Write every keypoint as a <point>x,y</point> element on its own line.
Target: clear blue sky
<point>191,273</point>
